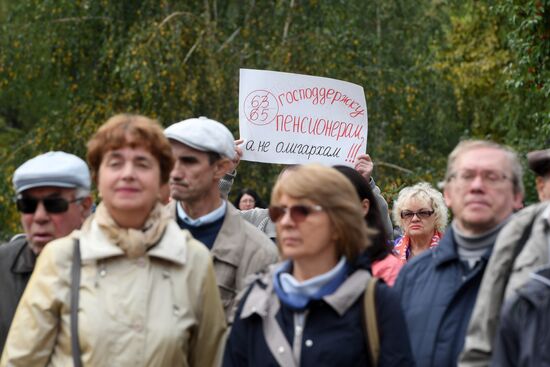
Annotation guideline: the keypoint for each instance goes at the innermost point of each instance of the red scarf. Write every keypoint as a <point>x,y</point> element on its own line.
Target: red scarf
<point>402,248</point>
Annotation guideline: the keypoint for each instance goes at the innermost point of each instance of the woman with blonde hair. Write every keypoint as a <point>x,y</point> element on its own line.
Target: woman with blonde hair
<point>130,288</point>
<point>309,310</point>
<point>422,215</point>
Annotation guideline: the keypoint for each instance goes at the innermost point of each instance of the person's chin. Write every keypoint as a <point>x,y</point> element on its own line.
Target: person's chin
<point>477,207</point>
<point>478,218</point>
<point>181,195</point>
<point>290,250</point>
<point>131,205</point>
<point>39,242</point>
<point>478,212</point>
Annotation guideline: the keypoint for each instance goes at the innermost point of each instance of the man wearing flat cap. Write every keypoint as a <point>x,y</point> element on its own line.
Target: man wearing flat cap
<point>204,149</point>
<point>539,162</point>
<point>53,197</point>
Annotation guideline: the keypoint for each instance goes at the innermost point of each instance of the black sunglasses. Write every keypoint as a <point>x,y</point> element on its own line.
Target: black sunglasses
<point>421,214</point>
<point>298,213</point>
<point>28,205</point>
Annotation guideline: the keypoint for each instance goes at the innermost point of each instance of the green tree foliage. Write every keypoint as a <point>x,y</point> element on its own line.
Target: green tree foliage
<point>496,58</point>
<point>433,72</point>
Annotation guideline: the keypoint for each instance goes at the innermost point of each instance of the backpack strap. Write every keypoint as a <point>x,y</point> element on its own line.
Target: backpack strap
<point>526,233</point>
<point>370,321</point>
<point>75,291</point>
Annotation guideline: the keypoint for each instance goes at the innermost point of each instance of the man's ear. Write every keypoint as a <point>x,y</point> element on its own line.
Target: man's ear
<point>539,184</point>
<point>447,196</point>
<point>365,203</point>
<point>518,201</point>
<point>221,167</point>
<point>86,207</point>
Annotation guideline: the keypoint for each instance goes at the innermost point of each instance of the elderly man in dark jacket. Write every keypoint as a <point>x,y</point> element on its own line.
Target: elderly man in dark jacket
<point>53,197</point>
<point>438,288</point>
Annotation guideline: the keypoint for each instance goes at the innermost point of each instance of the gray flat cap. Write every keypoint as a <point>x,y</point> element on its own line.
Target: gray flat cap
<point>539,161</point>
<point>58,169</point>
<point>203,134</point>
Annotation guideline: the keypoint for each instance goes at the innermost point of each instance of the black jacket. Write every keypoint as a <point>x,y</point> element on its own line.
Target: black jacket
<point>16,265</point>
<point>333,334</point>
<point>524,334</point>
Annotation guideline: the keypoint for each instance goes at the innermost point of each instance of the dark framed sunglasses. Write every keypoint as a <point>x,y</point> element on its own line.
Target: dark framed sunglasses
<point>298,213</point>
<point>28,205</point>
<point>421,214</point>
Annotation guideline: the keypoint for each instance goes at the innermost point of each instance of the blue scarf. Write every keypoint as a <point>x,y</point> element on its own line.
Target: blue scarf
<point>297,295</point>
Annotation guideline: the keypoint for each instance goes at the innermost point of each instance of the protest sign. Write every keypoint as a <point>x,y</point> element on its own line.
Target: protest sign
<point>296,119</point>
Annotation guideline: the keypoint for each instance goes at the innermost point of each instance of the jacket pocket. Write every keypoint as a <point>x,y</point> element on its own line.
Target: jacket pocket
<point>227,295</point>
<point>226,279</point>
<point>525,263</point>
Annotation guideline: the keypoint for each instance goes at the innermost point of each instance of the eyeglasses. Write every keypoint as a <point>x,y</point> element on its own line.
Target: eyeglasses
<point>491,178</point>
<point>298,213</point>
<point>421,214</point>
<point>28,205</point>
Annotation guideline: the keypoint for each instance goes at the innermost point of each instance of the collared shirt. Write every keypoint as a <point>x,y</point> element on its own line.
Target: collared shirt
<point>205,219</point>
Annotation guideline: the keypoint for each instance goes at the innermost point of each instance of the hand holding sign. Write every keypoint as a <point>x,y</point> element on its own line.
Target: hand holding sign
<point>238,155</point>
<point>364,165</point>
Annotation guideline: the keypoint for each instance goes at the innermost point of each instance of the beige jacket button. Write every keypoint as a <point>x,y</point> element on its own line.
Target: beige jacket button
<point>281,350</point>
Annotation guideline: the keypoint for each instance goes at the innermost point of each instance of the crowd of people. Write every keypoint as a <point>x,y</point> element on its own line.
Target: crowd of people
<point>315,278</point>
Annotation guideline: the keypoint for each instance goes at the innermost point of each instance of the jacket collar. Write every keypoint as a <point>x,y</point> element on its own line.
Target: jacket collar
<point>228,244</point>
<point>25,260</point>
<point>94,245</point>
<point>346,295</point>
<point>258,300</point>
<point>446,252</point>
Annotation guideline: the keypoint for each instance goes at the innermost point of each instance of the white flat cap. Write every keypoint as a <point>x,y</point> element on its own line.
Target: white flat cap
<point>203,134</point>
<point>58,169</point>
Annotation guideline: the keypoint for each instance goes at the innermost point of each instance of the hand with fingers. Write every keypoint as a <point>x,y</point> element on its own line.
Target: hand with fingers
<point>364,165</point>
<point>238,154</point>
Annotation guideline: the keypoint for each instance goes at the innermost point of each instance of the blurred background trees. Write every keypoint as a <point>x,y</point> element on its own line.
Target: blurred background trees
<point>433,72</point>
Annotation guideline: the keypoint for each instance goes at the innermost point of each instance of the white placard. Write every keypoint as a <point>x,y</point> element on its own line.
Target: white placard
<point>296,119</point>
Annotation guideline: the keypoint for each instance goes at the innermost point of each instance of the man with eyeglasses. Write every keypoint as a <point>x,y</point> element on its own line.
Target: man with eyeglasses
<point>204,150</point>
<point>483,187</point>
<point>53,197</point>
<point>520,253</point>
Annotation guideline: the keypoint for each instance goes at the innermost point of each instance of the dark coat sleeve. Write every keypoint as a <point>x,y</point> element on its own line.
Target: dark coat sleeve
<point>236,347</point>
<point>507,343</point>
<point>395,348</point>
